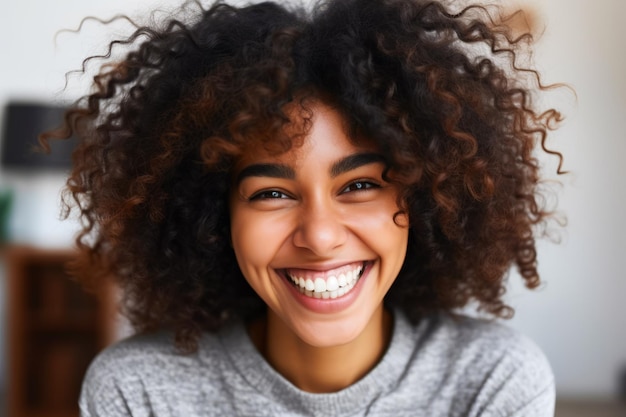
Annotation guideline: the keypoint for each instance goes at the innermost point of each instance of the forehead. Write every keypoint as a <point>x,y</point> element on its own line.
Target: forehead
<point>319,130</point>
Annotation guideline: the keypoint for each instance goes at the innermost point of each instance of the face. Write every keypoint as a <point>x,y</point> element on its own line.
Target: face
<point>314,233</point>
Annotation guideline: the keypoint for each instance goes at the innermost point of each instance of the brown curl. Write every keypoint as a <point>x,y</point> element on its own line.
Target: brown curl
<point>441,94</point>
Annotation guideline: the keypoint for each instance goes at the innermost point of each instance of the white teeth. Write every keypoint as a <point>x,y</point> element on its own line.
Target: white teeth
<point>332,287</point>
<point>332,284</point>
<point>342,280</point>
<point>320,285</point>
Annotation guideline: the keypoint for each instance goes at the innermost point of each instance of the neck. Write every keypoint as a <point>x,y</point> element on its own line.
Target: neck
<point>322,369</point>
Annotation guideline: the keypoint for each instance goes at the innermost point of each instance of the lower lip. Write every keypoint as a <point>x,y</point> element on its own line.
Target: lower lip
<point>329,305</point>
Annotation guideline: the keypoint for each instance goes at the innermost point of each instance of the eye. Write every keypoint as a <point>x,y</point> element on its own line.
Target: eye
<point>359,186</point>
<point>268,195</point>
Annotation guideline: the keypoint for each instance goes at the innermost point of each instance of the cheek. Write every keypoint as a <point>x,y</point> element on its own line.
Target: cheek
<point>256,238</point>
<point>384,232</point>
<point>392,238</point>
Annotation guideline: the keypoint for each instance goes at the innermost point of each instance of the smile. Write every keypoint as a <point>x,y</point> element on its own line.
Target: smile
<point>326,284</point>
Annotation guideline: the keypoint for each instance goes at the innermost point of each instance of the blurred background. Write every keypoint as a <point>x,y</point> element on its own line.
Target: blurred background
<point>578,317</point>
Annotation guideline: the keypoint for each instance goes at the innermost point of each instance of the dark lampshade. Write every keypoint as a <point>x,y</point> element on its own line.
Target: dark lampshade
<point>23,122</point>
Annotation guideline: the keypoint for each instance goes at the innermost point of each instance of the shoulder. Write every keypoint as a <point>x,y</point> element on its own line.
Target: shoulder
<point>482,340</point>
<point>136,355</point>
<point>485,366</point>
<point>493,345</point>
<point>136,373</point>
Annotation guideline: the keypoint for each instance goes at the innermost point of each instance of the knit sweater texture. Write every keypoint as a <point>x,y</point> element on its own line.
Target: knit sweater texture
<point>444,366</point>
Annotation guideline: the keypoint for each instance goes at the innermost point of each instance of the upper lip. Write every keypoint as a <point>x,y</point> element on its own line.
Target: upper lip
<point>323,267</point>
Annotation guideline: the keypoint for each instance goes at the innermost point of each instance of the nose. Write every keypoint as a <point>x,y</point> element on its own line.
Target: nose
<point>320,229</point>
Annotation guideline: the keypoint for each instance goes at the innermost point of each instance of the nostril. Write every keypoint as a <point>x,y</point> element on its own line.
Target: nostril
<point>320,233</point>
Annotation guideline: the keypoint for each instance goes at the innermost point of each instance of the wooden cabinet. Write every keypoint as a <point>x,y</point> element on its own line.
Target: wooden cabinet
<point>55,329</point>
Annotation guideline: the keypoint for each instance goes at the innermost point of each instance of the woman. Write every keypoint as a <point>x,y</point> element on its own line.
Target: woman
<point>296,204</point>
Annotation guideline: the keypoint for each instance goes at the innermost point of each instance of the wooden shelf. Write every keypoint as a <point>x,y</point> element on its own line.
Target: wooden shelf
<point>55,330</point>
<point>45,323</point>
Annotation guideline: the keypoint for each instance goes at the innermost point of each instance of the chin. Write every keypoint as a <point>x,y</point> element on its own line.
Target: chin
<point>326,334</point>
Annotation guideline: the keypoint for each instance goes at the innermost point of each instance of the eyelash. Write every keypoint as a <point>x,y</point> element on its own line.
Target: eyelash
<point>268,195</point>
<point>355,186</point>
<point>360,185</point>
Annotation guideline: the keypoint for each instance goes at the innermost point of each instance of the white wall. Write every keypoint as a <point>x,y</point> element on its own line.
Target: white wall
<point>32,67</point>
<point>579,317</point>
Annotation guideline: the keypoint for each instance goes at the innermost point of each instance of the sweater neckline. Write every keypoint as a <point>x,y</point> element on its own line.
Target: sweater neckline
<point>253,367</point>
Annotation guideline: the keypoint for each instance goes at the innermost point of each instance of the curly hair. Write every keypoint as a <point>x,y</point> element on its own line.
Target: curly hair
<point>442,94</point>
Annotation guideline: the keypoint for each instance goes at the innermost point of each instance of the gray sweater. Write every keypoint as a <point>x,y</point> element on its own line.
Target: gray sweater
<point>441,367</point>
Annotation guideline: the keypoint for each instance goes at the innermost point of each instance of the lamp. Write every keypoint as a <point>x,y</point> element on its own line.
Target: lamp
<point>29,193</point>
<point>23,122</point>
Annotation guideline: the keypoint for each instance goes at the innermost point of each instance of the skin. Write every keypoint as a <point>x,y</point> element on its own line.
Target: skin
<point>319,208</point>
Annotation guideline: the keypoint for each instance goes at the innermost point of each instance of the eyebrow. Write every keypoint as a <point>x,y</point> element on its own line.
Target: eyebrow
<point>284,171</point>
<point>355,161</point>
<point>266,170</point>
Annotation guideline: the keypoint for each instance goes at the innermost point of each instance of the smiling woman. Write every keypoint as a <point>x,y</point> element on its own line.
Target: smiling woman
<point>296,203</point>
<point>331,249</point>
<point>327,227</point>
